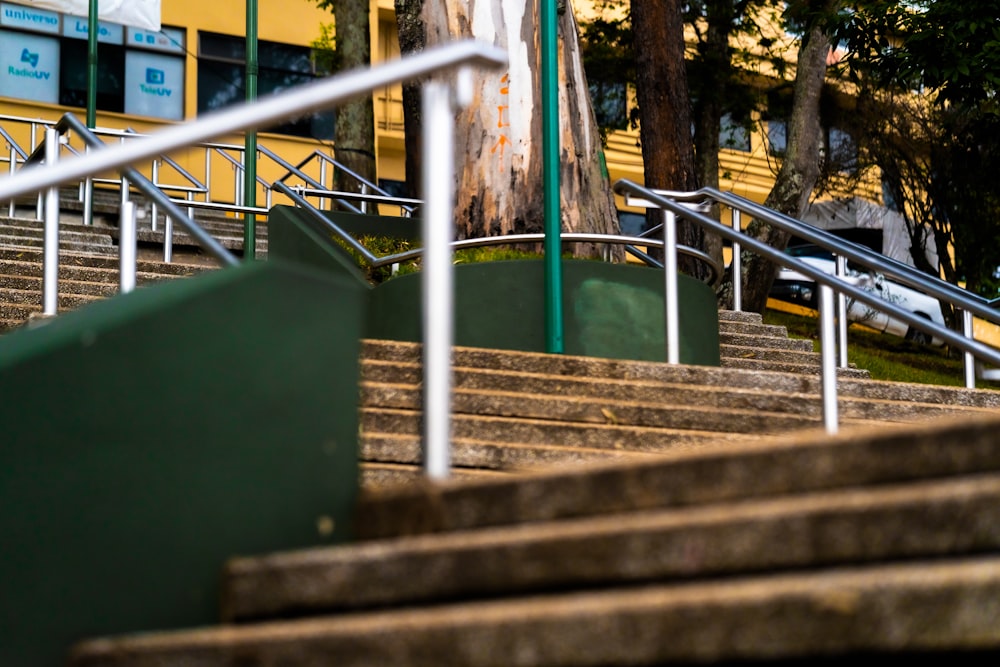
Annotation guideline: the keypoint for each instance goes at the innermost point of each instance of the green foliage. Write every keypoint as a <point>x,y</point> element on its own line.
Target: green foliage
<point>929,75</point>
<point>885,356</point>
<point>383,246</point>
<point>324,49</point>
<point>948,47</point>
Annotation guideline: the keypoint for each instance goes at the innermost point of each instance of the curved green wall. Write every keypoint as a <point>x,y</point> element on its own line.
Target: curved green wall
<point>609,310</point>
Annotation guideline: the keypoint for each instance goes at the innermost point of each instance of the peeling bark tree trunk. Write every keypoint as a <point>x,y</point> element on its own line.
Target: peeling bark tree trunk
<point>499,136</point>
<point>665,111</point>
<point>798,174</point>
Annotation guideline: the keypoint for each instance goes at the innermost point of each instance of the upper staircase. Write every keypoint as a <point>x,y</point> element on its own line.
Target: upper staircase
<point>608,512</point>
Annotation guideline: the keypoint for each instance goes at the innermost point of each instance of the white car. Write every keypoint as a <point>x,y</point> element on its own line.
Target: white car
<point>792,286</point>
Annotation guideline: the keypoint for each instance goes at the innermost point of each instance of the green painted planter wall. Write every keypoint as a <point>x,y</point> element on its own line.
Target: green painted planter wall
<point>148,437</point>
<point>610,310</point>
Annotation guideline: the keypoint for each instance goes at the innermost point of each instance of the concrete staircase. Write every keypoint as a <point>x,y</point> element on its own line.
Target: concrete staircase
<point>614,512</point>
<point>879,543</point>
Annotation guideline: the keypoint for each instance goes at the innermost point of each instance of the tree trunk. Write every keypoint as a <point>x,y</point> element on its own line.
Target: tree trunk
<point>412,37</point>
<point>799,169</point>
<point>354,136</point>
<point>500,188</point>
<point>665,111</point>
<point>716,71</point>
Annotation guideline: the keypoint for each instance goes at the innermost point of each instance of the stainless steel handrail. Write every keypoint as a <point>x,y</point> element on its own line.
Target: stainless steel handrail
<point>440,101</point>
<point>965,301</point>
<point>297,171</point>
<point>715,268</point>
<point>675,205</point>
<point>302,100</point>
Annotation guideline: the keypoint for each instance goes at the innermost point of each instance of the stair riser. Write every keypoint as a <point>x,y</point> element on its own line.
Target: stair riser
<point>551,433</point>
<point>924,520</point>
<point>914,607</point>
<point>747,420</point>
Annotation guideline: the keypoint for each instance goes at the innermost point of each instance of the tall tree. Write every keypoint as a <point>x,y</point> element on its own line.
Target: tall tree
<point>800,167</point>
<point>937,150</point>
<point>354,134</point>
<point>412,36</point>
<point>499,137</point>
<point>664,108</point>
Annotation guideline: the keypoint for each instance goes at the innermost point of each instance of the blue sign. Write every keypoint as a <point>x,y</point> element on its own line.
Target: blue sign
<point>155,77</point>
<point>29,67</point>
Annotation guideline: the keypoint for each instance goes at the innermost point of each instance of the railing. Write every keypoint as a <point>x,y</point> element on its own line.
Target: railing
<point>679,204</point>
<point>440,100</point>
<point>375,261</point>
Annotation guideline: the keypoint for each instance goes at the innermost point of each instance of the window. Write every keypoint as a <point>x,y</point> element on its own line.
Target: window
<point>221,78</point>
<point>733,135</point>
<point>610,102</point>
<point>139,72</point>
<point>777,137</point>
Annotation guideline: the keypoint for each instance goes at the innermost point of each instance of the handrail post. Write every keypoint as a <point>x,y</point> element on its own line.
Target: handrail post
<point>671,309</point>
<point>126,248</point>
<point>50,256</point>
<point>969,361</point>
<point>154,210</point>
<point>737,264</point>
<point>841,315</point>
<point>438,178</point>
<point>11,208</point>
<point>828,372</point>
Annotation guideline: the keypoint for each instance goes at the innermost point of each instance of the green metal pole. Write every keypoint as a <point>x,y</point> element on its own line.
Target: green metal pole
<point>250,159</point>
<point>550,178</point>
<point>92,65</point>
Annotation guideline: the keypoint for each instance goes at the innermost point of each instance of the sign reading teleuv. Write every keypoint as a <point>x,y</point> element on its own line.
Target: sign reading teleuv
<point>137,13</point>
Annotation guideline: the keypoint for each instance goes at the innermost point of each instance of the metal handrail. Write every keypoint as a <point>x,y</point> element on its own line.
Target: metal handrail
<point>302,100</point>
<point>715,268</point>
<point>674,204</point>
<point>440,100</point>
<point>368,186</point>
<point>297,171</point>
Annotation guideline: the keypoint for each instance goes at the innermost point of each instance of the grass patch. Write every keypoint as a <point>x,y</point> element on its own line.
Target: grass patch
<point>885,356</point>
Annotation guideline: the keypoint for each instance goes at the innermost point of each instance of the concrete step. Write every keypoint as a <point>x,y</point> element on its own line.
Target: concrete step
<point>808,546</point>
<point>499,430</point>
<point>837,616</point>
<point>66,286</point>
<point>796,463</point>
<point>483,454</point>
<point>771,342</point>
<point>386,380</point>
<point>852,526</point>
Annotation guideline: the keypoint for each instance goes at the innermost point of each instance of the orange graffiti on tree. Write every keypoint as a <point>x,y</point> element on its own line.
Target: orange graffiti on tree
<point>502,122</point>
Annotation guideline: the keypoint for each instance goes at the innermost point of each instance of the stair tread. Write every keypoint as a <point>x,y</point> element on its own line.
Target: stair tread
<point>885,607</point>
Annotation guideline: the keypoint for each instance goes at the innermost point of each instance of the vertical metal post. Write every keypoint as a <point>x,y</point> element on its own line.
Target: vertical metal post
<point>126,248</point>
<point>438,182</point>
<point>12,168</point>
<point>92,32</point>
<point>968,361</point>
<point>671,308</point>
<point>323,201</point>
<point>828,373</point>
<point>550,176</point>
<point>841,315</point>
<point>168,239</point>
<point>250,155</point>
<point>737,266</point>
<point>50,256</point>
<point>154,210</point>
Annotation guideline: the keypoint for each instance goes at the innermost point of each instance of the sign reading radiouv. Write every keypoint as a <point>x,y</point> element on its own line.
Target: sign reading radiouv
<point>137,13</point>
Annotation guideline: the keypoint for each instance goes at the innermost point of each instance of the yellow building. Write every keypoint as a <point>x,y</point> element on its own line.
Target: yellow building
<point>195,64</point>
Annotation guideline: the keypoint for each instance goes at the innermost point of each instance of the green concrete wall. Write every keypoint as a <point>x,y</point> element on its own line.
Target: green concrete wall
<point>609,310</point>
<point>148,437</point>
